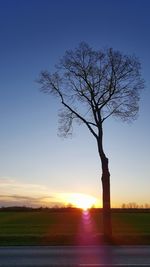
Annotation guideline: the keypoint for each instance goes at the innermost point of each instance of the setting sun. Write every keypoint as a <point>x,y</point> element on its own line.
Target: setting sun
<point>81,200</point>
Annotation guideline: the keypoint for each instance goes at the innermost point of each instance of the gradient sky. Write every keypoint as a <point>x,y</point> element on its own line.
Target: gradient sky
<point>36,166</point>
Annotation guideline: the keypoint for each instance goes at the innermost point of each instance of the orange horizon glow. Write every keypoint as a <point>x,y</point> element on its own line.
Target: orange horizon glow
<point>82,201</point>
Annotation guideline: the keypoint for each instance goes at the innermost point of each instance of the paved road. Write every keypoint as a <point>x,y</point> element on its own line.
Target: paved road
<point>70,256</point>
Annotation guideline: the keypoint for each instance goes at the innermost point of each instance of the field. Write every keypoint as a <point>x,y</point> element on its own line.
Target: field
<point>71,227</point>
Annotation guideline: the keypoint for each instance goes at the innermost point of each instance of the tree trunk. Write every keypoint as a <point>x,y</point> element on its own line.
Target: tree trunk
<point>106,214</point>
<point>107,226</point>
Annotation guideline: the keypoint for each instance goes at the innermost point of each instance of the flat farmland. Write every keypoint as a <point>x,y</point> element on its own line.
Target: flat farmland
<point>73,227</point>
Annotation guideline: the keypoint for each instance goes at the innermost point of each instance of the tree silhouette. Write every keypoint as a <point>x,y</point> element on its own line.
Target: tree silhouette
<point>92,86</point>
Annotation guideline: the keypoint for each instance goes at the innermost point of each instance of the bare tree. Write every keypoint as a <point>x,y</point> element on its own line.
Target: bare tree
<point>92,86</point>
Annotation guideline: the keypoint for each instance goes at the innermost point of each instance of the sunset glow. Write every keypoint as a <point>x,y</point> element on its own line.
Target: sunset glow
<point>81,200</point>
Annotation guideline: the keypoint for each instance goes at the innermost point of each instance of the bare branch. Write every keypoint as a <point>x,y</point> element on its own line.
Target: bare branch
<point>81,118</point>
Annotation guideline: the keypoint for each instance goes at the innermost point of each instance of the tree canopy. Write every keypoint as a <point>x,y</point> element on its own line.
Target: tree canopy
<point>94,85</point>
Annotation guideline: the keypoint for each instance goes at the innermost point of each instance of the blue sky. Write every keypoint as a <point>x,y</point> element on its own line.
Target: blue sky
<point>34,162</point>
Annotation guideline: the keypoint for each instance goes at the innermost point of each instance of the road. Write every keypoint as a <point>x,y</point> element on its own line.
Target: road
<point>71,256</point>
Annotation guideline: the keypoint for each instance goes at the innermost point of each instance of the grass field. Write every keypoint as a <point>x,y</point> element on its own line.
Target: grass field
<point>71,227</point>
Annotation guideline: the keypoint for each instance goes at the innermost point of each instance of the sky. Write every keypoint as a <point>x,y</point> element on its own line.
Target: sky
<point>37,167</point>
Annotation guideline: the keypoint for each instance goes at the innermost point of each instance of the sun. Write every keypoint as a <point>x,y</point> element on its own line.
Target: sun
<point>82,201</point>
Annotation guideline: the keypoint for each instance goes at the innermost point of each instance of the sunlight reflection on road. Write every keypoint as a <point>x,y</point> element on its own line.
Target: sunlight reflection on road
<point>88,236</point>
<point>87,230</point>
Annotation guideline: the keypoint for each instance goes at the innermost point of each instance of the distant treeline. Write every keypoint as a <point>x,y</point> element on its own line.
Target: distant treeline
<point>134,205</point>
<point>24,208</point>
<point>73,209</point>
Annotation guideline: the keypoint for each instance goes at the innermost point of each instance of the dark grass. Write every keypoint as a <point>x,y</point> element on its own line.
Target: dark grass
<point>67,228</point>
